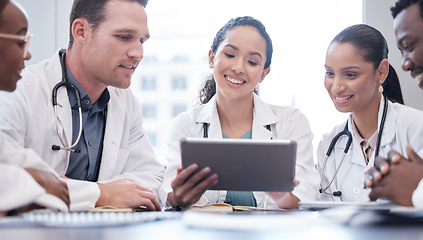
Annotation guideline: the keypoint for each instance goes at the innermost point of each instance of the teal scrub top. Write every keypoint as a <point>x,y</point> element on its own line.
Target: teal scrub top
<point>241,198</point>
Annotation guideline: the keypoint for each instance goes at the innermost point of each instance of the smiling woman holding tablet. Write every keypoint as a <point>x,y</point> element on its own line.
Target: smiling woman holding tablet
<point>240,57</point>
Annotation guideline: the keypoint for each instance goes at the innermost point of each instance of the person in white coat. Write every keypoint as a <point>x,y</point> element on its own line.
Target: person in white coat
<point>112,162</point>
<point>240,57</point>
<point>398,177</point>
<point>360,80</point>
<point>21,189</point>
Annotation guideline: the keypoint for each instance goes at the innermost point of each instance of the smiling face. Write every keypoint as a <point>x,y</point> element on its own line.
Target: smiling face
<point>352,83</point>
<point>112,52</point>
<point>14,22</point>
<point>238,64</point>
<point>408,26</point>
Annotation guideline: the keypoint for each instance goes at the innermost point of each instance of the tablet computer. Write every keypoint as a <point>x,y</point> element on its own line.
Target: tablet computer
<point>244,164</point>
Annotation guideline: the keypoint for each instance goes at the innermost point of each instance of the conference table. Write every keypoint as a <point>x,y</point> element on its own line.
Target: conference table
<point>339,223</point>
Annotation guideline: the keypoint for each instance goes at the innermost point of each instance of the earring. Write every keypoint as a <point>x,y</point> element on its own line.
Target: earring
<point>380,87</point>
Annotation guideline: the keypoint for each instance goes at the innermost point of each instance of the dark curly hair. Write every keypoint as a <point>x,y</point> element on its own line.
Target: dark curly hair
<point>209,89</point>
<point>403,4</point>
<point>374,48</point>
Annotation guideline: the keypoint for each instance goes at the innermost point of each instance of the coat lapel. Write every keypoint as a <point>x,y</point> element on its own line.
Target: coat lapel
<point>262,117</point>
<point>210,116</point>
<point>388,134</point>
<point>112,136</point>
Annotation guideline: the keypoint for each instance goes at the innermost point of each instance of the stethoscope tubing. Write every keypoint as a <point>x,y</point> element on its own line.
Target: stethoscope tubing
<point>65,83</point>
<point>346,132</point>
<point>331,146</point>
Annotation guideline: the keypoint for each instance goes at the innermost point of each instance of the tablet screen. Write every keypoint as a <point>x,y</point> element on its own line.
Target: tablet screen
<point>244,164</point>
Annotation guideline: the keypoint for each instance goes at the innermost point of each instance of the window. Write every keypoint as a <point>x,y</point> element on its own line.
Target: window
<point>179,83</point>
<point>178,108</point>
<point>153,138</point>
<point>180,58</point>
<point>148,83</point>
<point>149,111</point>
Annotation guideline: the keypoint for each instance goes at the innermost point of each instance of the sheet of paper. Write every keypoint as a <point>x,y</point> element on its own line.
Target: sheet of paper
<point>251,221</point>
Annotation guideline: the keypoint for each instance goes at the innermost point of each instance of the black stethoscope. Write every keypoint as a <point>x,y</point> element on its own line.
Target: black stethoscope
<point>67,84</point>
<point>347,147</point>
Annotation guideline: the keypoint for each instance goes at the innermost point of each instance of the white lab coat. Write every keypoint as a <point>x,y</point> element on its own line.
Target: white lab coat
<point>285,122</point>
<point>18,189</point>
<point>403,125</point>
<point>27,117</point>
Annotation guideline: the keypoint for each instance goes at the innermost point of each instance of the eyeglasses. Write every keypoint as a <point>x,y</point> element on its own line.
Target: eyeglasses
<point>26,39</point>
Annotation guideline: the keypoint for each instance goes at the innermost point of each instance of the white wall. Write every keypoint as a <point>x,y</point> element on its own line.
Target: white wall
<point>377,13</point>
<point>49,21</point>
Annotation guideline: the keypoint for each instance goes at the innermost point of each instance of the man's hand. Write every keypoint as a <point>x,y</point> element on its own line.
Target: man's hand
<point>52,184</point>
<point>396,178</point>
<point>188,187</point>
<point>381,168</point>
<point>125,193</point>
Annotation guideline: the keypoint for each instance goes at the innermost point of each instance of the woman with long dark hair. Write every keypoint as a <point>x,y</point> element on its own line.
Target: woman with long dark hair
<point>240,58</point>
<point>360,81</point>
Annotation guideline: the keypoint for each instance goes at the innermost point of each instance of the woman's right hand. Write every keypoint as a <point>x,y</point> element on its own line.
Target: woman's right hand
<point>189,186</point>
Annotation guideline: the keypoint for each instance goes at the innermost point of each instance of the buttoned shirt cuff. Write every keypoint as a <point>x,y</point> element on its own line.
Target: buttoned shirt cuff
<point>83,195</point>
<point>269,203</point>
<point>202,202</point>
<point>417,197</point>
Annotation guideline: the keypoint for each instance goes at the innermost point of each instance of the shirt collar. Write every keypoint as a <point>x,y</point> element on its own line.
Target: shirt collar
<point>365,142</point>
<point>101,103</point>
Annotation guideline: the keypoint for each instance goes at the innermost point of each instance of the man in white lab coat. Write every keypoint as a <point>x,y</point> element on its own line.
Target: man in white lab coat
<point>108,159</point>
<point>401,180</point>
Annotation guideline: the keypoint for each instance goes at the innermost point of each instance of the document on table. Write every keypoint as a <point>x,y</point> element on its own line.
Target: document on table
<point>251,221</point>
<point>84,219</point>
<point>375,205</point>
